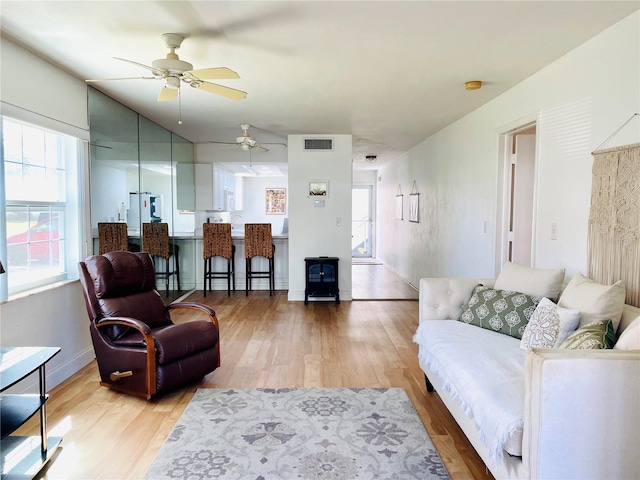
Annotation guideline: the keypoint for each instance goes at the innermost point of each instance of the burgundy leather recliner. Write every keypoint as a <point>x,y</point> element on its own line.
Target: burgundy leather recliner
<point>139,349</point>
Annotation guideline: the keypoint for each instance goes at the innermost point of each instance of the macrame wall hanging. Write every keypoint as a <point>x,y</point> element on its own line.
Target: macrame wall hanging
<point>614,220</point>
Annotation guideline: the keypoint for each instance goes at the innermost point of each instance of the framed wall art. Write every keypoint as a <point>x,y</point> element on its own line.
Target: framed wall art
<point>399,204</point>
<point>414,204</point>
<point>319,188</point>
<point>275,200</point>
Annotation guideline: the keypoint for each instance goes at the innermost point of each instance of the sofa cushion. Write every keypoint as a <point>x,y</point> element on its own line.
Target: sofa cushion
<point>629,339</point>
<point>541,282</point>
<point>488,387</point>
<point>595,335</point>
<point>503,311</point>
<point>549,326</point>
<point>595,301</point>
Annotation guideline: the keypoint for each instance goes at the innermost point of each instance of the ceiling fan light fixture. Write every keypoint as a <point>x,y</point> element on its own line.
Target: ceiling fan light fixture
<point>173,82</point>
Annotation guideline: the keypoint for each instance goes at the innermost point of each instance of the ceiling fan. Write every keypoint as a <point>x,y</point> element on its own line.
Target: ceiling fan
<point>247,142</point>
<point>173,71</point>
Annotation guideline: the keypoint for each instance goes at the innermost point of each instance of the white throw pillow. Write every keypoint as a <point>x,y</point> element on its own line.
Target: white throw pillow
<point>540,282</point>
<point>595,301</point>
<point>549,326</point>
<point>630,338</point>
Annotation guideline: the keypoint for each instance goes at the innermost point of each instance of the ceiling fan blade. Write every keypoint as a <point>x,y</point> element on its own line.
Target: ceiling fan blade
<point>100,146</point>
<point>220,73</point>
<point>155,71</point>
<point>259,148</point>
<point>124,78</point>
<point>228,144</point>
<point>227,92</point>
<point>268,143</point>
<point>167,94</point>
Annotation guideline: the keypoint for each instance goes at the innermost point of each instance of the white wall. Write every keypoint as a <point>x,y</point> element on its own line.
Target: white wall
<point>56,316</point>
<point>34,85</point>
<point>253,200</point>
<point>314,231</point>
<point>107,193</point>
<point>579,100</point>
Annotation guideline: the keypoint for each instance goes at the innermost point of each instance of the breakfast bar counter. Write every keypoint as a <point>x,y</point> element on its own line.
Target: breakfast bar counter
<point>192,261</point>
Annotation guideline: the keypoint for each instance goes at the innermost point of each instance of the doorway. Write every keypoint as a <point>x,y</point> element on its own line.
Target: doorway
<point>516,209</point>
<point>362,227</point>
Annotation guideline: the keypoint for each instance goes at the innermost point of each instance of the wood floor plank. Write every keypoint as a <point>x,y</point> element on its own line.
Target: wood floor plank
<point>265,342</point>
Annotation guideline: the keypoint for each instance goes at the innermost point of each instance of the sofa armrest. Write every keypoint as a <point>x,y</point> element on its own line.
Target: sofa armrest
<point>581,417</point>
<point>443,298</point>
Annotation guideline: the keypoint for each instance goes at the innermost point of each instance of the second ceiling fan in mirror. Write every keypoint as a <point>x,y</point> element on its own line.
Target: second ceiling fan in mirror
<point>247,142</point>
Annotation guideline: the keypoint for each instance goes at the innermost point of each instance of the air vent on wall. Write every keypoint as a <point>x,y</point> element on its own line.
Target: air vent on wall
<point>318,143</point>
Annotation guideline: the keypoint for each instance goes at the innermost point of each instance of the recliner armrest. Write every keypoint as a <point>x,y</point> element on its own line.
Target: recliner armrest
<point>196,306</point>
<point>142,327</point>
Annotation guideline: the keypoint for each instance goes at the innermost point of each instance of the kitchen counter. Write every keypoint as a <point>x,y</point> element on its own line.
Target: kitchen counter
<point>195,235</point>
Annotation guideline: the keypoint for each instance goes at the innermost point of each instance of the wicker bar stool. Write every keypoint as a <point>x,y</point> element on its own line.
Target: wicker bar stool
<point>155,241</point>
<point>216,242</point>
<point>112,236</point>
<point>259,243</point>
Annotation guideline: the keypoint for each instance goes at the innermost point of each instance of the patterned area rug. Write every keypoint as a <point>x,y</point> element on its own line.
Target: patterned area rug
<point>298,433</point>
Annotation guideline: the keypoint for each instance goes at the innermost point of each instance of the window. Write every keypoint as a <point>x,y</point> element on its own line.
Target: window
<point>40,174</point>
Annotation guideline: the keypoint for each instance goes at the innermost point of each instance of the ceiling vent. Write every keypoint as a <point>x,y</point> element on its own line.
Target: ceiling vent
<point>316,144</point>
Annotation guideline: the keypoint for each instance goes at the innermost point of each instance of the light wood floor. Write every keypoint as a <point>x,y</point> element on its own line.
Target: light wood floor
<point>265,342</point>
<point>379,282</point>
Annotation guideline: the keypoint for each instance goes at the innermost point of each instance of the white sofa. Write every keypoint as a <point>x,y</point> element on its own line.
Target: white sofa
<point>581,408</point>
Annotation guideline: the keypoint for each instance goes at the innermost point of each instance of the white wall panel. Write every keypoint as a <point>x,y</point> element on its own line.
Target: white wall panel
<point>580,100</point>
<point>314,231</point>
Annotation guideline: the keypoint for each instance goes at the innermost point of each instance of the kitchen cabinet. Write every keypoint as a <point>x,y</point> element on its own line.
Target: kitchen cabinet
<point>204,186</point>
<point>215,189</point>
<point>185,184</point>
<point>219,189</point>
<point>239,191</point>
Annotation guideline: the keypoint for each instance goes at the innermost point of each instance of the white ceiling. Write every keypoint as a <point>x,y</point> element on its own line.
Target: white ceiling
<point>389,73</point>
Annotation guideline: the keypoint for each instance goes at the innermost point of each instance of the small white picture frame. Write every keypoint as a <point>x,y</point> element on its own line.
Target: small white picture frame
<point>318,189</point>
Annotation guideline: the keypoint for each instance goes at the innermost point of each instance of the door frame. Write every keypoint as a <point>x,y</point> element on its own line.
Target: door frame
<point>506,136</point>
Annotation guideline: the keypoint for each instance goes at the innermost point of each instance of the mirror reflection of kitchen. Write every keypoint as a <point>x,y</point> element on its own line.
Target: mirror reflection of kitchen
<point>144,208</point>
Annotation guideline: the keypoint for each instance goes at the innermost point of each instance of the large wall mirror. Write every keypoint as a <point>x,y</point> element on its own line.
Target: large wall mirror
<point>141,172</point>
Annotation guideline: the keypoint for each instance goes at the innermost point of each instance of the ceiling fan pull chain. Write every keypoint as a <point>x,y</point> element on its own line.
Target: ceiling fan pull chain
<point>179,107</point>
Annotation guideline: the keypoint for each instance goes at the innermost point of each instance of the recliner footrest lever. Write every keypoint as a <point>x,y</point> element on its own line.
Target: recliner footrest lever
<point>115,376</point>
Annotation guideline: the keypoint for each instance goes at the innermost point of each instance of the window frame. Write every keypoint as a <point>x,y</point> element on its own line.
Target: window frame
<point>71,169</point>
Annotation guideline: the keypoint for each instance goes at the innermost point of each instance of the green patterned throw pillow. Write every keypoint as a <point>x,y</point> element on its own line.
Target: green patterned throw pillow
<point>502,311</point>
<point>595,335</point>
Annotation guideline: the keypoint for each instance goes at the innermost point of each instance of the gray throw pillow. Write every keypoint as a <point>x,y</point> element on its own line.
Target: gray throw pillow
<point>503,311</point>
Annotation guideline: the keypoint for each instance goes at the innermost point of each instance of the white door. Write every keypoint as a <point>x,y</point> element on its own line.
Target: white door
<point>515,226</point>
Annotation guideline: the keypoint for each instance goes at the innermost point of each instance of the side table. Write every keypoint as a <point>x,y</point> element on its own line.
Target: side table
<point>23,457</point>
